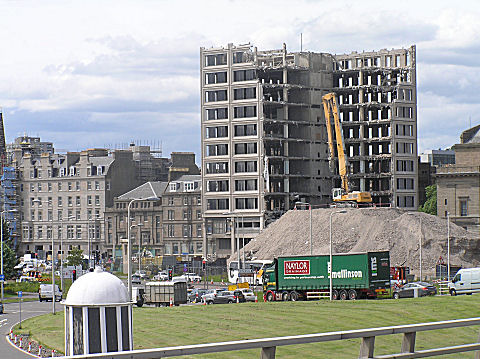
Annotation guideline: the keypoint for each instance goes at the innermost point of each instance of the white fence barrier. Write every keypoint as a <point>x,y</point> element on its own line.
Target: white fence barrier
<point>268,345</point>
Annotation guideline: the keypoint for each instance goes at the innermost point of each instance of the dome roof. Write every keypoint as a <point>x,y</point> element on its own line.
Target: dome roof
<point>97,288</point>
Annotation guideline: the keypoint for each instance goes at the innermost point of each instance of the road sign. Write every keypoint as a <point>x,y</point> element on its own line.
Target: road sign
<point>2,277</point>
<point>185,269</point>
<point>20,294</point>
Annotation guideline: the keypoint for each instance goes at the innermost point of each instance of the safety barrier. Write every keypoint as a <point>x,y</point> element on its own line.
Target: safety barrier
<point>268,345</point>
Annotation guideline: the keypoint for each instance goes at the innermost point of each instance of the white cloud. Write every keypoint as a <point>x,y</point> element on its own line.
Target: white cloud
<point>72,68</point>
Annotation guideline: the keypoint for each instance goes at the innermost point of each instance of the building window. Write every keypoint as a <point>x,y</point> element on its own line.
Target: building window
<point>49,201</point>
<point>216,60</point>
<point>60,214</point>
<point>49,187</point>
<point>217,150</point>
<point>217,167</point>
<point>217,113</point>
<point>49,232</point>
<point>171,201</point>
<point>50,215</point>
<point>246,185</point>
<point>199,214</point>
<point>187,230</point>
<point>245,148</point>
<point>59,199</point>
<point>216,77</point>
<point>39,186</point>
<point>69,186</point>
<point>79,232</point>
<point>245,166</point>
<point>97,185</point>
<point>170,230</point>
<point>188,186</point>
<point>445,201</point>
<point>245,130</point>
<point>70,201</point>
<point>187,214</point>
<point>404,147</point>
<point>217,204</point>
<point>77,186</point>
<point>186,200</point>
<point>77,215</point>
<point>463,207</point>
<point>59,186</point>
<point>246,203</point>
<point>215,96</point>
<point>69,232</point>
<point>405,183</point>
<point>97,200</point>
<point>216,132</point>
<point>244,111</point>
<point>89,185</point>
<point>217,186</point>
<point>239,57</point>
<point>89,200</point>
<point>40,215</point>
<point>244,75</point>
<point>77,201</point>
<point>245,93</point>
<point>199,230</point>
<point>171,215</point>
<point>404,165</point>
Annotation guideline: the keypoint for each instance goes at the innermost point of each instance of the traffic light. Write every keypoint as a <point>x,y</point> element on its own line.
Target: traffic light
<point>74,275</point>
<point>170,274</point>
<point>204,265</point>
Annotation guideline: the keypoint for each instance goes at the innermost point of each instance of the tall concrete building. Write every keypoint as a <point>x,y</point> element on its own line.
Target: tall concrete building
<point>264,143</point>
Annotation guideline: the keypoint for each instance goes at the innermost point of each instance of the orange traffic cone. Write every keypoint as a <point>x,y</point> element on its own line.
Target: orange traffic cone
<point>256,299</point>
<point>211,282</point>
<point>204,302</point>
<point>171,302</point>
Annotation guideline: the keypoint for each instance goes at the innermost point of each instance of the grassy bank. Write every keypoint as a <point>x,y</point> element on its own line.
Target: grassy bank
<point>158,327</point>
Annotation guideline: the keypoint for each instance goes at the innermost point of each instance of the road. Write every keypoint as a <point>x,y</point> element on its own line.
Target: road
<point>11,317</point>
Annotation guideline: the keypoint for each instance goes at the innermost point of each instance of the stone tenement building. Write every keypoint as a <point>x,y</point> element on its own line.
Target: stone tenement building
<point>458,185</point>
<point>64,196</point>
<point>264,142</point>
<point>169,224</point>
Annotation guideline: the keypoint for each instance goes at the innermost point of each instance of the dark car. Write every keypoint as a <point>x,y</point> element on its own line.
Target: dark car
<point>239,296</point>
<point>220,297</point>
<point>195,296</point>
<point>408,290</point>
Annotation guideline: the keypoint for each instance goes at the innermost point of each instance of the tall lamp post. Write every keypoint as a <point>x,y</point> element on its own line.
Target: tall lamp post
<point>448,246</point>
<point>235,233</point>
<point>331,250</point>
<point>129,244</point>
<point>61,256</point>
<point>1,245</point>
<point>311,224</point>
<point>139,225</point>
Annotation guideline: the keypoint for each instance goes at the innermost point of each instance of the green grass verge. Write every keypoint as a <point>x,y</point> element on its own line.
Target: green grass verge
<point>159,327</point>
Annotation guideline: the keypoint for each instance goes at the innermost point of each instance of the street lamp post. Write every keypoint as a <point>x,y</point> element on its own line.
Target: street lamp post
<point>331,250</point>
<point>129,243</point>
<point>448,246</point>
<point>311,224</point>
<point>61,256</point>
<point>139,225</point>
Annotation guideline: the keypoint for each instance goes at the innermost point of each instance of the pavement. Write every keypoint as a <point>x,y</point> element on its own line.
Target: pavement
<point>11,316</point>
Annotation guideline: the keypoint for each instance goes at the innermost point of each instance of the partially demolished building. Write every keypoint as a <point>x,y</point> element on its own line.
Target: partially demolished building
<point>264,142</point>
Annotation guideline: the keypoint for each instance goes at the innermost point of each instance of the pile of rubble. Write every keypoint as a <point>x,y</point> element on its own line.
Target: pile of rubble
<point>368,229</point>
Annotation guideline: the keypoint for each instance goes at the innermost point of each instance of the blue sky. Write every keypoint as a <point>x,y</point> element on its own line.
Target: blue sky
<point>93,73</point>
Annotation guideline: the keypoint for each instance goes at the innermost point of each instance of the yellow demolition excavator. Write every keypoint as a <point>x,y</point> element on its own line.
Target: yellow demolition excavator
<point>342,196</point>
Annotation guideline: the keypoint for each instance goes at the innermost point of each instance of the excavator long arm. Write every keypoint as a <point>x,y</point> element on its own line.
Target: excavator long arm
<point>330,107</point>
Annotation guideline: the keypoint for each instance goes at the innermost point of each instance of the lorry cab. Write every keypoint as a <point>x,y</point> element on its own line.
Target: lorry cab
<point>466,281</point>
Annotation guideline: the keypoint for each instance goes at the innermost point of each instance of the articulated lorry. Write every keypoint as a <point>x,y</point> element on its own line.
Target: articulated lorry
<point>354,275</point>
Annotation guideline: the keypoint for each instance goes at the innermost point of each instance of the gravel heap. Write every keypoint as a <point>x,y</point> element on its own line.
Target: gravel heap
<point>368,229</point>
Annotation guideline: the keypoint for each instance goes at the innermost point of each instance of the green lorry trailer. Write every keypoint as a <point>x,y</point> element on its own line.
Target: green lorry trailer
<point>354,275</point>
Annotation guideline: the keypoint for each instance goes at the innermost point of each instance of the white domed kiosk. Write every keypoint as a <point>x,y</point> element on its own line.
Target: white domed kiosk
<point>98,315</point>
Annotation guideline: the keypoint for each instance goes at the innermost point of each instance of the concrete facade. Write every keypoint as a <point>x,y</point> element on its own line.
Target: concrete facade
<point>264,142</point>
<point>458,185</point>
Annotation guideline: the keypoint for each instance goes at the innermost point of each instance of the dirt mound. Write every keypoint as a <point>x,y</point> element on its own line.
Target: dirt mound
<point>368,229</point>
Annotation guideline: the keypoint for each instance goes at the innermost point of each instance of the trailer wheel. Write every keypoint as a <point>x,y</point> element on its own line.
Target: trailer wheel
<point>343,294</point>
<point>269,297</point>
<point>293,296</point>
<point>453,292</point>
<point>140,303</point>
<point>396,295</point>
<point>334,294</point>
<point>285,296</point>
<point>352,294</point>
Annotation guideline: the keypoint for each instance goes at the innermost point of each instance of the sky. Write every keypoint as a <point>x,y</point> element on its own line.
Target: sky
<point>103,73</point>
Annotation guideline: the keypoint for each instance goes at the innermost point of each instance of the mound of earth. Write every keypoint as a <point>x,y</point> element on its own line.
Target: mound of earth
<point>368,229</point>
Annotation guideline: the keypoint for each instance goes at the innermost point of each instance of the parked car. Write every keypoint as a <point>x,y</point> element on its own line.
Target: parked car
<point>220,297</point>
<point>142,274</point>
<point>249,295</point>
<point>195,295</point>
<point>161,277</point>
<point>408,290</point>
<point>193,277</point>
<point>136,279</point>
<point>466,281</point>
<point>45,292</point>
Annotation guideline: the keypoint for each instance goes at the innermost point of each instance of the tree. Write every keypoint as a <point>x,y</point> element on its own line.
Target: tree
<point>430,205</point>
<point>75,257</point>
<point>9,257</point>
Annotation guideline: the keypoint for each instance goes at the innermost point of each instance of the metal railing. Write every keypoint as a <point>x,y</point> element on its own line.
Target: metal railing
<point>268,345</point>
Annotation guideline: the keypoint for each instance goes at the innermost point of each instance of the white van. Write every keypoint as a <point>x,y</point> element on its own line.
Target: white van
<point>466,281</point>
<point>45,292</point>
